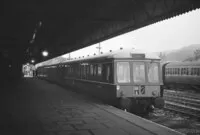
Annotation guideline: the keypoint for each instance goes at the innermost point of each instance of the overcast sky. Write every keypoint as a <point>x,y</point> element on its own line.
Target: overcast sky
<point>174,33</point>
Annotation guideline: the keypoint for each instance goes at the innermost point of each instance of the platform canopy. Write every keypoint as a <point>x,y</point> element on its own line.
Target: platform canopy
<point>27,27</point>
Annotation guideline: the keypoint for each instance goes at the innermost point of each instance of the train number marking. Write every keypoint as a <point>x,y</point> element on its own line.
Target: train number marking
<point>142,89</point>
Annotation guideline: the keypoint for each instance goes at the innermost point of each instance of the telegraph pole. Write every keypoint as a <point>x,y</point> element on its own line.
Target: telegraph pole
<point>99,48</point>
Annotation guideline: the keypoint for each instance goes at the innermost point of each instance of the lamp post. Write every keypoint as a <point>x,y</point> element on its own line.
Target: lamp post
<point>99,48</point>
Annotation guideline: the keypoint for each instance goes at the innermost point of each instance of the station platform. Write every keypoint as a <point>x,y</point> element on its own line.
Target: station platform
<point>36,107</point>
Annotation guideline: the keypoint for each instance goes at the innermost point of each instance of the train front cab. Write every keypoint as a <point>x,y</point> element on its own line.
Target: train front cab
<point>138,84</point>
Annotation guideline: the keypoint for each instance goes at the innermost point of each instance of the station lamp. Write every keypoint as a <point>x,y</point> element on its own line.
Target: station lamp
<point>32,61</point>
<point>45,53</point>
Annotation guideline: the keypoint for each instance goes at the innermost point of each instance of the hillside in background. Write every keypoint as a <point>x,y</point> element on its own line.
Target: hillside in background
<point>182,54</point>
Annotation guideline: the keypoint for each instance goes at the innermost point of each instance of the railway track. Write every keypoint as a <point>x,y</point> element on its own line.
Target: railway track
<point>183,94</point>
<point>186,103</point>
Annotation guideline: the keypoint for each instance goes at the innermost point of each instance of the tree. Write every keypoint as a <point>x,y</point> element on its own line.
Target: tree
<point>188,59</point>
<point>197,54</point>
<point>195,57</point>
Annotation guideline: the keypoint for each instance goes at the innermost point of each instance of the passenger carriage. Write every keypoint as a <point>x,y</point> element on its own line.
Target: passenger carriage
<point>129,80</point>
<point>182,75</point>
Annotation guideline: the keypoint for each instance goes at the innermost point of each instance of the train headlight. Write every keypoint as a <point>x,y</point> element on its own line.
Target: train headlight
<point>154,93</point>
<point>118,87</point>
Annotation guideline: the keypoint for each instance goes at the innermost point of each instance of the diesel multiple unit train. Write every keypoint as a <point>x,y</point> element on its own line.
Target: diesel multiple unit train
<point>182,76</point>
<point>128,80</point>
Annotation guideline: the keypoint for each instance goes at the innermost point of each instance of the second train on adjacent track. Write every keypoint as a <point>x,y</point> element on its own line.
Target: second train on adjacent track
<point>182,76</point>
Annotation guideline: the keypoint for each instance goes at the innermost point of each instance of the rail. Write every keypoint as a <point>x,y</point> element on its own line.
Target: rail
<point>182,102</point>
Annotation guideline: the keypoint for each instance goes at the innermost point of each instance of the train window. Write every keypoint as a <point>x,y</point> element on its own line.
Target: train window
<point>182,71</point>
<point>88,69</point>
<point>71,69</point>
<point>185,71</point>
<point>91,69</point>
<point>152,72</point>
<point>84,70</point>
<point>107,73</point>
<point>139,72</point>
<point>178,71</point>
<point>99,69</point>
<point>123,72</point>
<point>95,70</point>
<point>192,71</point>
<point>166,71</point>
<point>198,72</point>
<point>169,71</point>
<point>195,71</point>
<point>79,71</point>
<point>67,70</point>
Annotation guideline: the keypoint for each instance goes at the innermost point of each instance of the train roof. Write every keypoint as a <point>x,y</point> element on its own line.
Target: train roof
<point>135,54</point>
<point>175,64</point>
<point>120,54</point>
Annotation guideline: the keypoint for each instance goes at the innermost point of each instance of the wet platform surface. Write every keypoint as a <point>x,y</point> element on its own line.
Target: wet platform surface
<point>37,107</point>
